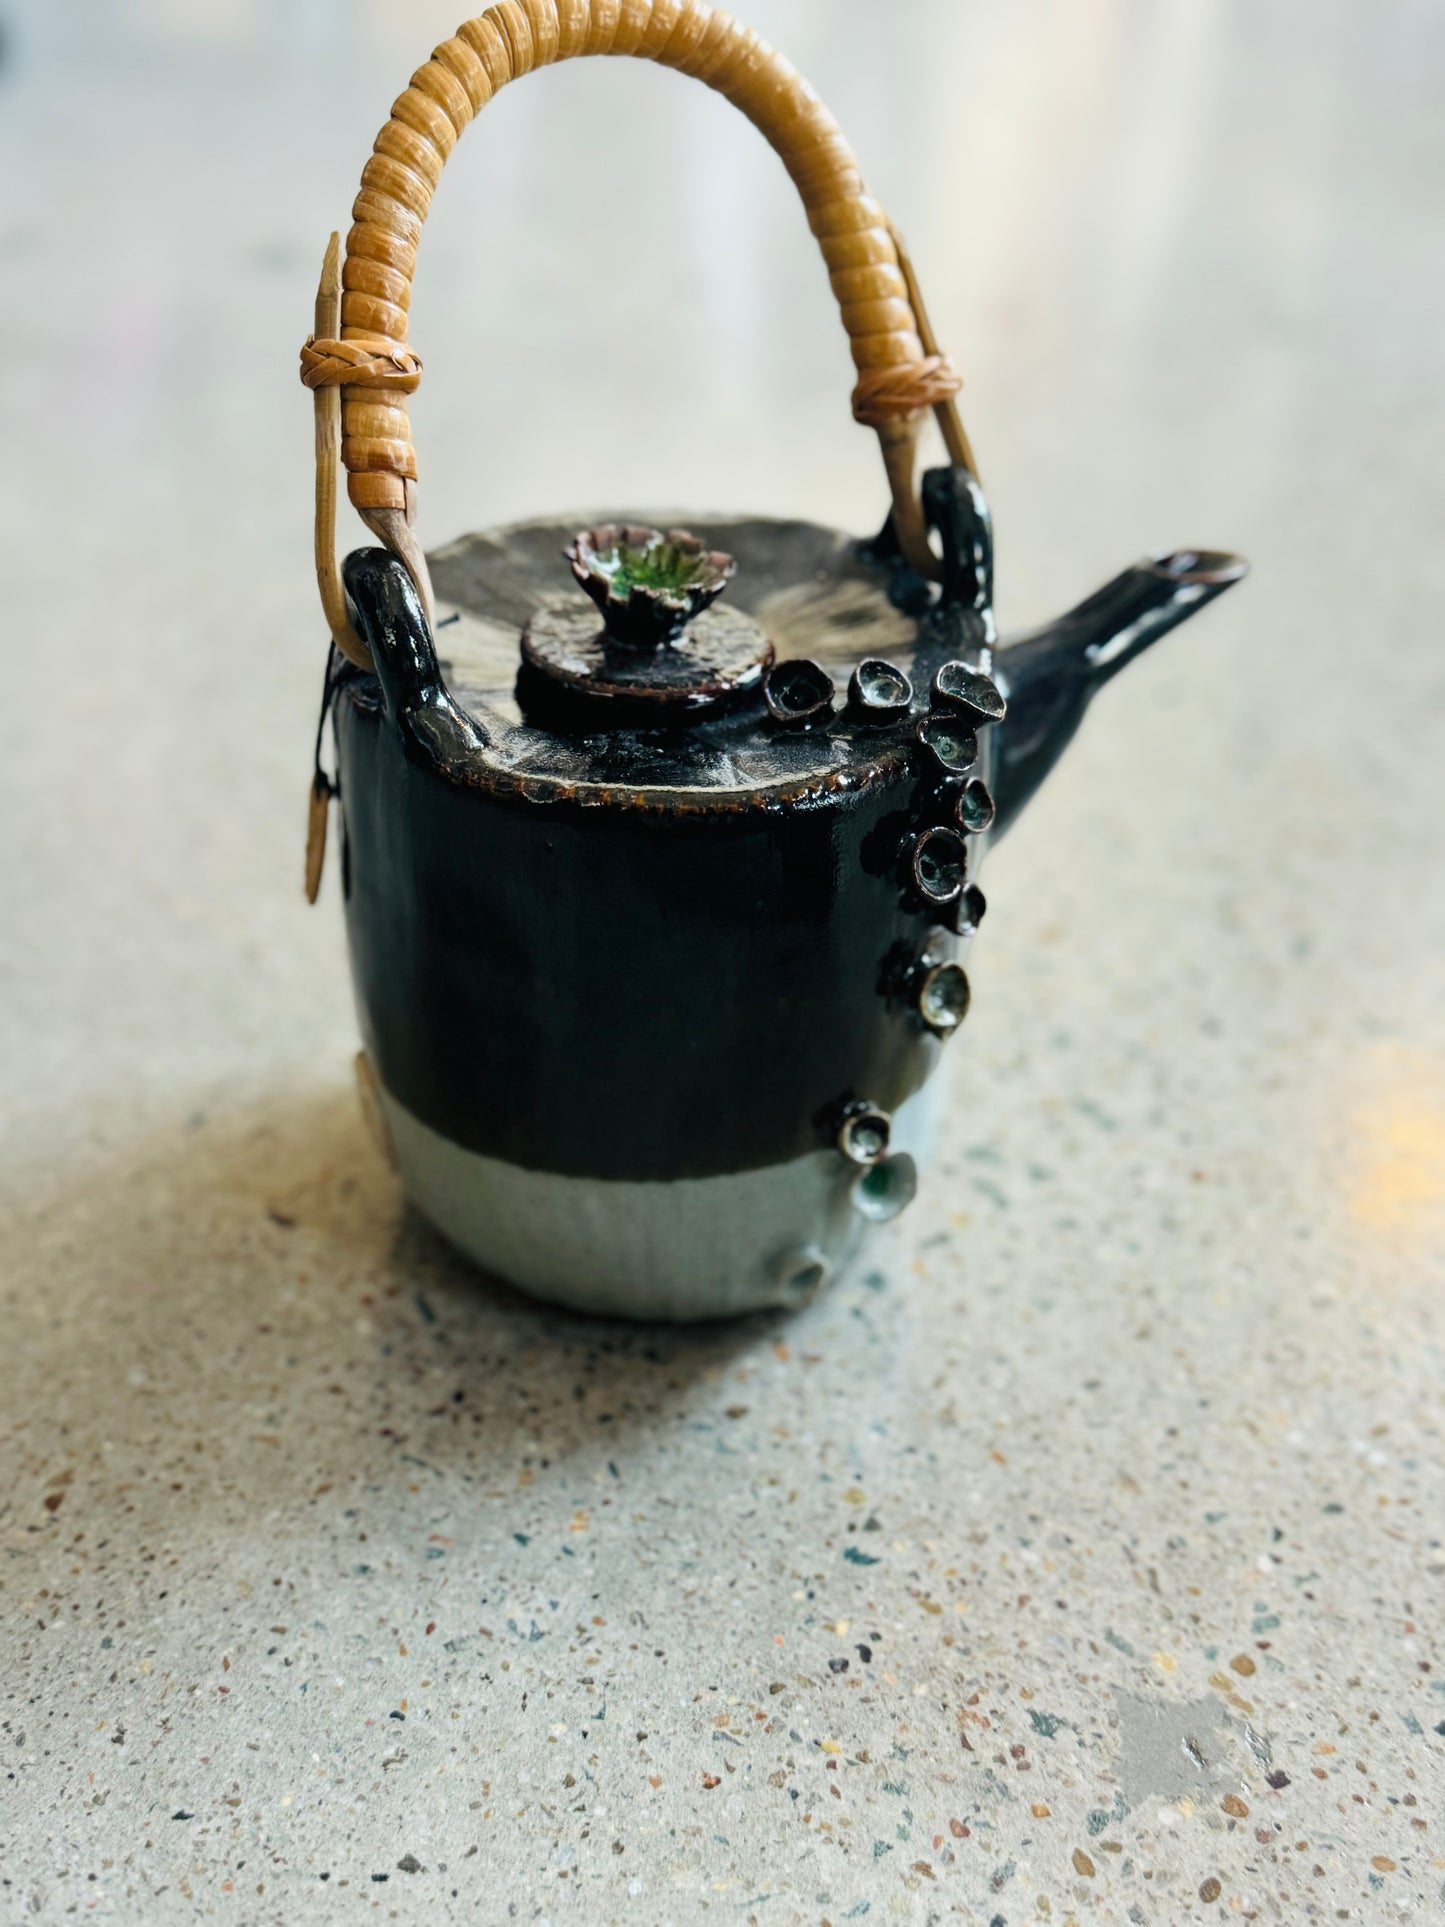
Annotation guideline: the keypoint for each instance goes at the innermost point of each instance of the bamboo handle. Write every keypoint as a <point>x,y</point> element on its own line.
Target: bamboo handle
<point>901,374</point>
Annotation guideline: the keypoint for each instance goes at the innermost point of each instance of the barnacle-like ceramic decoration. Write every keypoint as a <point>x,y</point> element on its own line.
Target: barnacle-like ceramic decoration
<point>799,693</point>
<point>943,997</point>
<point>974,810</point>
<point>864,1133</point>
<point>975,694</point>
<point>938,865</point>
<point>949,741</point>
<point>879,692</point>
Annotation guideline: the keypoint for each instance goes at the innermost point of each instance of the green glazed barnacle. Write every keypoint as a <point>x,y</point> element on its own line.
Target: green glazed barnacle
<point>938,866</point>
<point>648,583</point>
<point>878,692</point>
<point>949,741</point>
<point>973,808</point>
<point>970,691</point>
<point>935,949</point>
<point>882,1190</point>
<point>943,997</point>
<point>968,911</point>
<point>864,1133</point>
<point>799,693</point>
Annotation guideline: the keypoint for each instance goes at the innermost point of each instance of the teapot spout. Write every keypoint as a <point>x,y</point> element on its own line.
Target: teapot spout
<point>1050,675</point>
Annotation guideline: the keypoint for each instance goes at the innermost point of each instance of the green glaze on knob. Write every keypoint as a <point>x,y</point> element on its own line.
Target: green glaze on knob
<point>648,583</point>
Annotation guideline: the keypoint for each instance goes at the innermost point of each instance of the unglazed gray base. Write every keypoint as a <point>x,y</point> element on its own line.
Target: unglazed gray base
<point>692,1248</point>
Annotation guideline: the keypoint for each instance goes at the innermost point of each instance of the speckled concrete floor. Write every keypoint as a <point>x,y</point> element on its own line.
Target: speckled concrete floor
<point>1080,1558</point>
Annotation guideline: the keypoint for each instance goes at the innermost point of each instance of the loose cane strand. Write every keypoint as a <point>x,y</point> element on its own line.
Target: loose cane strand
<point>945,408</point>
<point>328,465</point>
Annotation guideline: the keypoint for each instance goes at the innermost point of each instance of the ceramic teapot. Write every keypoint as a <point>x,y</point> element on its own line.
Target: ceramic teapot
<point>661,844</point>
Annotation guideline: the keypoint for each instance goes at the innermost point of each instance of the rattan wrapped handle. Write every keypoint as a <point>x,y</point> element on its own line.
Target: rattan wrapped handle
<point>900,372</point>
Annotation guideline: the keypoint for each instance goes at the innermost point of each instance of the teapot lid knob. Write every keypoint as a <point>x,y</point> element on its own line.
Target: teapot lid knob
<point>661,650</point>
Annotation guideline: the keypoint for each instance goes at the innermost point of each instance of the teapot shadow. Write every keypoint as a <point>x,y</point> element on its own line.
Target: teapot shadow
<point>240,1314</point>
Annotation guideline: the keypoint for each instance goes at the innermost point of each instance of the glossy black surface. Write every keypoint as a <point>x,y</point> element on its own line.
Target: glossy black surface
<point>632,953</point>
<point>676,989</point>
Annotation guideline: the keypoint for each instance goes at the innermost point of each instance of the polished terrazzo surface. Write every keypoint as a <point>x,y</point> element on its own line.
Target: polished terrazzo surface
<point>1080,1557</point>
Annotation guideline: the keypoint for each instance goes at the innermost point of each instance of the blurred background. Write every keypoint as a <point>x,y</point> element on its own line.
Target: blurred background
<point>1189,256</point>
<point>1186,256</point>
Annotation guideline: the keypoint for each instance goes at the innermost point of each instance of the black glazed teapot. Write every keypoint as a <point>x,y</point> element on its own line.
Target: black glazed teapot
<point>661,846</point>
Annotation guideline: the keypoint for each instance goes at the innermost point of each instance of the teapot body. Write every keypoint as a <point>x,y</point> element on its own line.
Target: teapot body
<point>614,1035</point>
<point>654,999</point>
<point>652,1016</point>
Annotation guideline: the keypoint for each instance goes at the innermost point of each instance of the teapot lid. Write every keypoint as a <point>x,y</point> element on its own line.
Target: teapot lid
<point>806,675</point>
